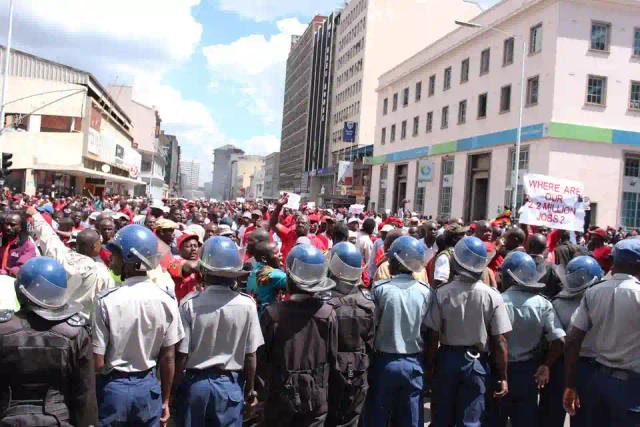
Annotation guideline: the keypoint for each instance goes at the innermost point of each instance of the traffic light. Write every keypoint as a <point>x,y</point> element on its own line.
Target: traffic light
<point>6,164</point>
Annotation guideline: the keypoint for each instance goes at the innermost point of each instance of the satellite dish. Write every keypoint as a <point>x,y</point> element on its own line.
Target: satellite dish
<point>106,168</point>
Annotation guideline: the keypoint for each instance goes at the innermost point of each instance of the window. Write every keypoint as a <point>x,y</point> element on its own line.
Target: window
<point>507,55</point>
<point>462,112</point>
<point>416,125</point>
<point>429,121</point>
<point>419,205</point>
<point>485,60</point>
<point>403,130</point>
<point>533,85</point>
<point>636,42</point>
<point>405,97</point>
<point>432,85</point>
<point>446,187</point>
<point>446,85</point>
<point>632,167</point>
<point>393,133</point>
<point>535,39</point>
<point>445,118</point>
<point>464,71</point>
<point>596,90</point>
<point>385,106</point>
<point>418,91</point>
<point>634,101</point>
<point>382,195</point>
<point>383,136</point>
<point>600,34</point>
<point>630,210</point>
<point>505,99</point>
<point>482,106</point>
<point>56,123</point>
<point>523,165</point>
<point>395,101</point>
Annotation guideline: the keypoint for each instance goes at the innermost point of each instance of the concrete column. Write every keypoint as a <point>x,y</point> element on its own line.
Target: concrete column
<point>412,171</point>
<point>29,182</point>
<point>459,184</point>
<point>391,188</point>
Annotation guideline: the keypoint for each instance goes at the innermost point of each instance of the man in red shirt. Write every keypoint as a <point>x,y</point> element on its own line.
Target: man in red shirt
<point>289,235</point>
<point>599,248</point>
<point>124,208</point>
<point>183,268</point>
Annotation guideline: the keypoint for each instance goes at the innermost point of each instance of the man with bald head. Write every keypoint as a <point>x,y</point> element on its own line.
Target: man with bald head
<point>537,248</point>
<point>86,276</point>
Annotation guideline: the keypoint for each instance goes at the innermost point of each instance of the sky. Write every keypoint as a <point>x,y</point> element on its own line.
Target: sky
<point>214,69</point>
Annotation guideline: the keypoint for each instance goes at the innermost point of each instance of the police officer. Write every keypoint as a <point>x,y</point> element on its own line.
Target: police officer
<point>354,308</point>
<point>533,319</point>
<point>135,329</point>
<point>46,363</point>
<point>471,318</point>
<point>581,273</point>
<point>608,316</point>
<point>402,308</point>
<point>301,344</point>
<point>222,334</point>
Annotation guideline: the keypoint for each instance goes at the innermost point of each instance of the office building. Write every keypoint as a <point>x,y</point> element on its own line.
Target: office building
<point>242,169</point>
<point>271,176</point>
<point>222,159</point>
<point>190,171</point>
<point>171,151</point>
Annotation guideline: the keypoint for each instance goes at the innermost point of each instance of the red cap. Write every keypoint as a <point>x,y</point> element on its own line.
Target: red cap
<point>314,218</point>
<point>599,232</point>
<point>182,239</point>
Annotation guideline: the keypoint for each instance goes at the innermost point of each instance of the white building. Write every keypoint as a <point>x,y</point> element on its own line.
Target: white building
<point>242,169</point>
<point>66,133</point>
<point>191,170</point>
<point>456,102</point>
<point>256,185</point>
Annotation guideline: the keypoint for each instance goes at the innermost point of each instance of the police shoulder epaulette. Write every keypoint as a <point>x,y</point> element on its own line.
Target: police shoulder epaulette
<point>5,315</point>
<point>546,297</point>
<point>77,320</point>
<point>381,282</point>
<point>366,293</point>
<point>191,295</point>
<point>247,295</point>
<point>423,283</point>
<point>103,293</point>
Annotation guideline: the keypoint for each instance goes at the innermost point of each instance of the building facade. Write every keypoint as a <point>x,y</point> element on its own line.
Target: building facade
<point>296,108</point>
<point>242,169</point>
<point>190,169</point>
<point>222,159</point>
<point>450,150</point>
<point>256,185</point>
<point>67,134</point>
<point>271,176</point>
<point>171,151</point>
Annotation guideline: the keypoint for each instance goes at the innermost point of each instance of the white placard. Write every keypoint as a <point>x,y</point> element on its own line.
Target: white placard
<point>553,202</point>
<point>356,209</point>
<point>294,200</point>
<point>311,205</point>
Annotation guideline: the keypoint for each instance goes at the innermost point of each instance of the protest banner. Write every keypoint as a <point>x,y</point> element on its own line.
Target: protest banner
<point>553,202</point>
<point>294,201</point>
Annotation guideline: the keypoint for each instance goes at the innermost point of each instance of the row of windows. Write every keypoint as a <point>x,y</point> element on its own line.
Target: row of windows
<point>352,34</point>
<point>601,37</point>
<point>532,98</point>
<point>347,74</point>
<point>348,19</point>
<point>347,112</point>
<point>353,51</point>
<point>597,92</point>
<point>351,90</point>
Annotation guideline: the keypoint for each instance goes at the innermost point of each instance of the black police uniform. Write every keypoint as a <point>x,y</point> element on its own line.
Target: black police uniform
<point>46,372</point>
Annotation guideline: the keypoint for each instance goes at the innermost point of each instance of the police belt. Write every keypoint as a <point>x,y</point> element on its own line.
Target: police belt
<point>619,374</point>
<point>463,349</point>
<point>212,370</point>
<point>115,374</point>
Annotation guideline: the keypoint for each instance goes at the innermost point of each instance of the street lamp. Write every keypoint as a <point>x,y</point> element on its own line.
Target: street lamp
<point>516,170</point>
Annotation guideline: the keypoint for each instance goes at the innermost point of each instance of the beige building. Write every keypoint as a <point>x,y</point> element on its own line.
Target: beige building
<point>242,169</point>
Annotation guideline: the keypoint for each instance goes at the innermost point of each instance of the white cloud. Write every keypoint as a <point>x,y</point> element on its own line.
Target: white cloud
<point>268,10</point>
<point>255,65</point>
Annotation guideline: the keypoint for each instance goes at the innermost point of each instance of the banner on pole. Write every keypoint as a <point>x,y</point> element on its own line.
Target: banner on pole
<point>349,131</point>
<point>425,171</point>
<point>553,202</point>
<point>345,173</point>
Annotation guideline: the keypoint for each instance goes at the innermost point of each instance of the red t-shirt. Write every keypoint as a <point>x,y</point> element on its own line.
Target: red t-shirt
<point>603,256</point>
<point>289,238</point>
<point>128,213</point>
<point>105,256</point>
<point>184,285</point>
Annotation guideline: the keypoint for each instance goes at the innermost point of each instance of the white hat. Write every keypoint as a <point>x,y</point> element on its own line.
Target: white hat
<point>386,228</point>
<point>119,215</point>
<point>94,215</point>
<point>353,219</point>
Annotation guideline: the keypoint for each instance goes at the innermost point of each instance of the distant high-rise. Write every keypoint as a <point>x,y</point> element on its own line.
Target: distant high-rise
<point>191,172</point>
<point>222,158</point>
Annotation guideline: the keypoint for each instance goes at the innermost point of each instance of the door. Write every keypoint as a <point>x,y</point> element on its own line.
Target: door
<point>400,192</point>
<point>477,197</point>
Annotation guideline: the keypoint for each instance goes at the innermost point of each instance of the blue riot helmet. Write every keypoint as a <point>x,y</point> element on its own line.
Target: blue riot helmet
<point>470,254</point>
<point>136,244</point>
<point>519,268</point>
<point>409,252</point>
<point>307,268</point>
<point>222,258</point>
<point>43,282</point>
<point>580,273</point>
<point>345,262</point>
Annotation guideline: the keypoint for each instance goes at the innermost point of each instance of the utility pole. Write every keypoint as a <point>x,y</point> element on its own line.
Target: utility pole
<point>7,59</point>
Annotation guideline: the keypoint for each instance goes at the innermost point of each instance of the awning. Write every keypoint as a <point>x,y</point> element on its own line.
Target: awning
<point>81,170</point>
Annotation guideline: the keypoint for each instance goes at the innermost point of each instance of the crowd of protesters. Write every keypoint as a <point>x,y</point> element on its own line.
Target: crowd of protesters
<point>133,312</point>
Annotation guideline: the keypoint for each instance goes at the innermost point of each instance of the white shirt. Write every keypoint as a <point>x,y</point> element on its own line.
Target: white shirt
<point>442,268</point>
<point>364,245</point>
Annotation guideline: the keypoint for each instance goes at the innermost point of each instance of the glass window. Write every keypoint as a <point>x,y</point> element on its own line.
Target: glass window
<point>419,205</point>
<point>596,90</point>
<point>395,101</point>
<point>600,36</point>
<point>446,193</point>
<point>634,101</point>
<point>485,61</point>
<point>403,130</point>
<point>630,210</point>
<point>445,118</point>
<point>418,91</point>
<point>535,39</point>
<point>524,159</point>
<point>445,203</point>
<point>429,121</point>
<point>383,136</point>
<point>385,106</point>
<point>416,125</point>
<point>636,42</point>
<point>464,71</point>
<point>482,106</point>
<point>393,133</point>
<point>462,112</point>
<point>632,167</point>
<point>405,97</point>
<point>432,85</point>
<point>533,86</point>
<point>382,198</point>
<point>505,99</point>
<point>507,55</point>
<point>447,79</point>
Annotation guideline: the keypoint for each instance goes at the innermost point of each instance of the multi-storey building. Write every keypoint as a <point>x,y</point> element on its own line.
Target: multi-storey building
<point>455,106</point>
<point>296,108</point>
<point>222,159</point>
<point>67,134</point>
<point>271,176</point>
<point>190,170</point>
<point>242,169</point>
<point>171,150</point>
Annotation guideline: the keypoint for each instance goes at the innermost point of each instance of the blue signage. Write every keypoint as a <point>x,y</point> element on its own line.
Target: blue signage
<point>349,132</point>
